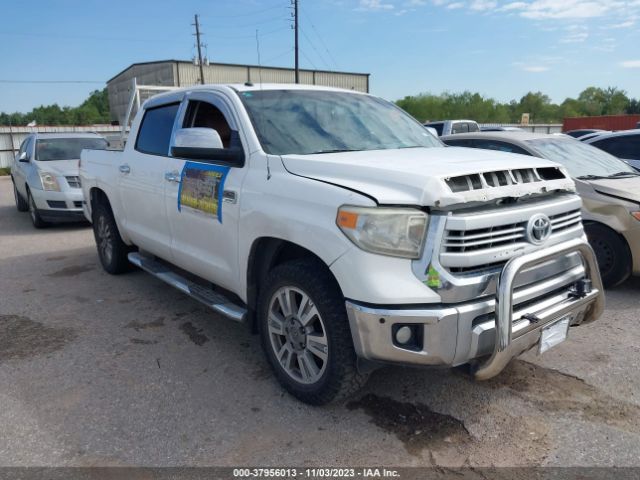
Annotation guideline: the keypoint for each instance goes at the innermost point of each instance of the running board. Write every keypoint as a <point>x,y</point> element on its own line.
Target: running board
<point>214,300</point>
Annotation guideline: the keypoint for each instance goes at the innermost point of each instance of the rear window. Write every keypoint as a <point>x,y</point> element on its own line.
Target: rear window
<point>436,126</point>
<point>624,146</point>
<point>154,134</point>
<point>51,149</point>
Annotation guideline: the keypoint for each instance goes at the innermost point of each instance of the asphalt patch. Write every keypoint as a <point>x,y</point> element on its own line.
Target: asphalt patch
<point>195,334</point>
<point>415,425</point>
<point>71,271</point>
<point>21,337</point>
<point>137,326</point>
<point>553,390</point>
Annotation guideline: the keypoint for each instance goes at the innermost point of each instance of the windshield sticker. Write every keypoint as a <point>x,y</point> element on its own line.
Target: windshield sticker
<point>201,188</point>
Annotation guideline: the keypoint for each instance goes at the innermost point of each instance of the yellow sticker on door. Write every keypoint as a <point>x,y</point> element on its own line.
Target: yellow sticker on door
<point>201,189</point>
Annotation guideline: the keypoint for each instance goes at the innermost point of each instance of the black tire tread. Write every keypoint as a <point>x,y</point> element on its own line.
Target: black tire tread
<point>119,263</point>
<point>21,203</point>
<point>621,269</point>
<point>343,378</point>
<point>37,222</point>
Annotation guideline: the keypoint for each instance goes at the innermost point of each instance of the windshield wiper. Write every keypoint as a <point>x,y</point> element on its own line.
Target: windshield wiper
<point>623,174</point>
<point>336,150</point>
<point>590,177</point>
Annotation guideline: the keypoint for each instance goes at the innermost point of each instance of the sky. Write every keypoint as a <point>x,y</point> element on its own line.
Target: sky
<point>502,49</point>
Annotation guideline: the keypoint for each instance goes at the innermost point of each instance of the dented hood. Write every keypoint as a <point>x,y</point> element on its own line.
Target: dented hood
<point>418,176</point>
<point>628,188</point>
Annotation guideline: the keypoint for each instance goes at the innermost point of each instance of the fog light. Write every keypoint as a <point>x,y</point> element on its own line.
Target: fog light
<point>403,335</point>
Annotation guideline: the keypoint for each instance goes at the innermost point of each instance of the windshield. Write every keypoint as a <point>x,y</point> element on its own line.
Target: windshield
<point>49,149</point>
<point>581,160</point>
<point>307,122</point>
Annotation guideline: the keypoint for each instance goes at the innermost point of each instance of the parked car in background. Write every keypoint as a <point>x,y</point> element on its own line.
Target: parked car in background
<point>344,233</point>
<point>45,176</point>
<point>450,127</point>
<point>624,145</point>
<point>500,129</point>
<point>610,191</point>
<point>587,136</point>
<point>582,132</point>
<point>432,131</point>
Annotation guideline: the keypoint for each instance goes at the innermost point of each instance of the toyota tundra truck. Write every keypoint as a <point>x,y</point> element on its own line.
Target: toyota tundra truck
<point>343,233</point>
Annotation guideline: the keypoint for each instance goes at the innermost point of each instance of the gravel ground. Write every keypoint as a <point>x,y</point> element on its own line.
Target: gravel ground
<point>97,370</point>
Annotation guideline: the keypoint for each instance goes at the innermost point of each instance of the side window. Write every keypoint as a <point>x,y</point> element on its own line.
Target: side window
<point>473,127</point>
<point>459,143</point>
<point>629,147</point>
<point>610,145</point>
<point>437,126</point>
<point>460,127</point>
<point>500,146</point>
<point>205,115</point>
<point>154,134</point>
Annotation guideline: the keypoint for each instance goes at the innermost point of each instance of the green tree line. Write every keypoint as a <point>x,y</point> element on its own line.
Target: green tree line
<point>591,101</point>
<point>425,107</point>
<point>93,110</point>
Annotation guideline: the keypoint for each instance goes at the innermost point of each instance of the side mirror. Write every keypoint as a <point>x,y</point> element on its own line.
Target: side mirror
<point>197,138</point>
<point>205,145</point>
<point>23,157</point>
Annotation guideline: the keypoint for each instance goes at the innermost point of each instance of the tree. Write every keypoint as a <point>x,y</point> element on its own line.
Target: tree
<point>93,110</point>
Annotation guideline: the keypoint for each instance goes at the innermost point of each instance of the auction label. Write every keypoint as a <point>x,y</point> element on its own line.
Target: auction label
<point>315,473</point>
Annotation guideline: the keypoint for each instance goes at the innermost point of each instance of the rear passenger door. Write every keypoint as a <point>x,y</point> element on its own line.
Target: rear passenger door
<point>203,200</point>
<point>142,181</point>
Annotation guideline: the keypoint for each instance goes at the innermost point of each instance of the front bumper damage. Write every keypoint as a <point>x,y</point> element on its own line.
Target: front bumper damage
<point>487,332</point>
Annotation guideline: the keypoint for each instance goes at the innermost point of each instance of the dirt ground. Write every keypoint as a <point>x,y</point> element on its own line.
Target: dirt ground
<point>98,370</point>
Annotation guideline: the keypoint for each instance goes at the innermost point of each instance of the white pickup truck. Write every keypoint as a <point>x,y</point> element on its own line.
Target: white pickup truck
<point>337,227</point>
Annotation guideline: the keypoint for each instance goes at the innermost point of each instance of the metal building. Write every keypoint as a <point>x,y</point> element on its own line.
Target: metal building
<point>180,73</point>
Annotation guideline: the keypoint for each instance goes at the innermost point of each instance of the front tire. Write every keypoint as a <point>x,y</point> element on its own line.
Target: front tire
<point>36,219</point>
<point>612,253</point>
<point>112,251</point>
<point>21,203</point>
<point>305,333</point>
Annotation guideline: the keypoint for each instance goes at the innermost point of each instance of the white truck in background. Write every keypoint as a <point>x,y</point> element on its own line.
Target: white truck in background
<point>334,225</point>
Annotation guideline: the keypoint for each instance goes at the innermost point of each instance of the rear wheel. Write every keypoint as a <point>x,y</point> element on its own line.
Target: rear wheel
<point>612,253</point>
<point>305,333</point>
<point>36,219</point>
<point>112,251</point>
<point>21,203</point>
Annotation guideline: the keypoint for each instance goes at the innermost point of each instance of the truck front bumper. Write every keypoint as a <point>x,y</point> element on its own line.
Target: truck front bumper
<point>490,331</point>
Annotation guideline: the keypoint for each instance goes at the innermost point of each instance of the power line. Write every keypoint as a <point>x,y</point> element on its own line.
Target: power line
<point>316,50</point>
<point>321,39</point>
<point>255,12</point>
<point>309,60</point>
<point>247,25</point>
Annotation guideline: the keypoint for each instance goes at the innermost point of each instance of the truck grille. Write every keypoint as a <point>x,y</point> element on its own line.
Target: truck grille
<point>501,178</point>
<point>500,235</point>
<point>73,181</point>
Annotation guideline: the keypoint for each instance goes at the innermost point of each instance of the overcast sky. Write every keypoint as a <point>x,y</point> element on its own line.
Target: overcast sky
<point>501,49</point>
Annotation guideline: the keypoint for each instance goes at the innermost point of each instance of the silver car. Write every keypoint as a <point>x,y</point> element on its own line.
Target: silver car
<point>45,176</point>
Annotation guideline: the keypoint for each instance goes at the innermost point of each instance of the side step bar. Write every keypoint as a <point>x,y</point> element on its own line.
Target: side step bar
<point>214,300</point>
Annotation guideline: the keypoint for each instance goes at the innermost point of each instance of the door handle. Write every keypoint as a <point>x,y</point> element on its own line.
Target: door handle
<point>172,176</point>
<point>124,168</point>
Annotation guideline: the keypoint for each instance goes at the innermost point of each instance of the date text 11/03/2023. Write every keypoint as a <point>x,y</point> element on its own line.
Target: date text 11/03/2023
<point>313,473</point>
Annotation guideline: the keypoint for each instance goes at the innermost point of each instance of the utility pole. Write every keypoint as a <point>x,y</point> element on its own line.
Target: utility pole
<point>296,26</point>
<point>199,44</point>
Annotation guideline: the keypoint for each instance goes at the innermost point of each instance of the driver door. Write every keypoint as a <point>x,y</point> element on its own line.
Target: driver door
<point>202,198</point>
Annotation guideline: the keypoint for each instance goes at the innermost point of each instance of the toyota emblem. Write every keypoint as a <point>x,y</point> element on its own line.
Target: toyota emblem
<point>538,229</point>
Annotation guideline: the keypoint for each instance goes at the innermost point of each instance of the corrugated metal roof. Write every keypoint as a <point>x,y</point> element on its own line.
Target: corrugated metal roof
<point>215,64</point>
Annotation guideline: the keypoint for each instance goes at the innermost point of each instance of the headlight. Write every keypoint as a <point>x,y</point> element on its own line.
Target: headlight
<point>398,232</point>
<point>49,181</point>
